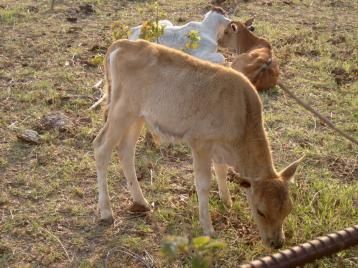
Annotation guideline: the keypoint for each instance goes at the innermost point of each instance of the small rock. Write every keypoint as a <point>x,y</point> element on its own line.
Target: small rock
<point>56,120</point>
<point>30,136</point>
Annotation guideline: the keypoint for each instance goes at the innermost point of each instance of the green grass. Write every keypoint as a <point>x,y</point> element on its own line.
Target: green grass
<point>11,16</point>
<point>48,191</point>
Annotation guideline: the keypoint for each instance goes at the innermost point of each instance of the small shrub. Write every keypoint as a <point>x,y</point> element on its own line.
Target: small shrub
<point>194,40</point>
<point>97,60</point>
<point>119,30</point>
<point>151,31</point>
<point>199,251</point>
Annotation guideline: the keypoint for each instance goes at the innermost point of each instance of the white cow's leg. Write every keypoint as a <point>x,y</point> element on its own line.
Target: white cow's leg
<point>202,173</point>
<point>221,173</point>
<point>109,136</point>
<point>126,151</point>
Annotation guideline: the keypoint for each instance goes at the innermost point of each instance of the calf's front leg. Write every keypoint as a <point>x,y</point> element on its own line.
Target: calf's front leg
<point>202,173</point>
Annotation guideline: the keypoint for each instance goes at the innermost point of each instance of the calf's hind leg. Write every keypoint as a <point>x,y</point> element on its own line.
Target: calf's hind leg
<point>110,135</point>
<point>126,151</point>
<point>221,177</point>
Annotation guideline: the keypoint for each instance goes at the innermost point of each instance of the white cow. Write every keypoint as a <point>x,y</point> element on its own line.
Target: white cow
<point>210,30</point>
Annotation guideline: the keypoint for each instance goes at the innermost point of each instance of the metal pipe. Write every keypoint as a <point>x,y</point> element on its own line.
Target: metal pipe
<point>310,251</point>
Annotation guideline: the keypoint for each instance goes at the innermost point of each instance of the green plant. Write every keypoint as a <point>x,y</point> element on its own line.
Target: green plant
<point>151,30</point>
<point>97,59</point>
<point>193,40</point>
<point>119,30</point>
<point>199,251</point>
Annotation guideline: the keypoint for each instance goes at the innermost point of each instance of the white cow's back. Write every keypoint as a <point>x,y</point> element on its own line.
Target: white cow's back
<point>178,36</point>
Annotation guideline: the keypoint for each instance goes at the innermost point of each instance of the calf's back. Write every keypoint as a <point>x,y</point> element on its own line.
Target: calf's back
<point>180,97</point>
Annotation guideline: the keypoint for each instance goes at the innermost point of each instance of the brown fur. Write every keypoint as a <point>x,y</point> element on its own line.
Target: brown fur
<point>256,59</point>
<point>214,109</point>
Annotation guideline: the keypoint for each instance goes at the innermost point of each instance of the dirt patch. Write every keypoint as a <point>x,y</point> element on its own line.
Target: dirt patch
<point>341,76</point>
<point>345,169</point>
<point>335,40</point>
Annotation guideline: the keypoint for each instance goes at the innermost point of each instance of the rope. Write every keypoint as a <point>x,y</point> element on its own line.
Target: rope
<point>323,118</point>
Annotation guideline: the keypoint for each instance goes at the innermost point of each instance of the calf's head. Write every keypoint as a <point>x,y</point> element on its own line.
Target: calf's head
<point>235,33</point>
<point>216,18</point>
<point>270,204</point>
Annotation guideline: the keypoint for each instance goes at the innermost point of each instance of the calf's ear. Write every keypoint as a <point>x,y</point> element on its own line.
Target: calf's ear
<point>249,22</point>
<point>234,27</point>
<point>288,173</point>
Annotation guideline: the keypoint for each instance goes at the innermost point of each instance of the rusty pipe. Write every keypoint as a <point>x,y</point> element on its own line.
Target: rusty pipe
<point>310,251</point>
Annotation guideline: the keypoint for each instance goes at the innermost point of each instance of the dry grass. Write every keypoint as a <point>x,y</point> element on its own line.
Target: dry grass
<point>48,192</point>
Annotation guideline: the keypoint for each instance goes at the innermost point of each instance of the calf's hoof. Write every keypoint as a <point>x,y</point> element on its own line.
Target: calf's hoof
<point>139,208</point>
<point>211,233</point>
<point>227,203</point>
<point>106,221</point>
<point>225,198</point>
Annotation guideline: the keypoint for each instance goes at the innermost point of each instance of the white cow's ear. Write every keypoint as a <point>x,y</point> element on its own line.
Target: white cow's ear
<point>234,27</point>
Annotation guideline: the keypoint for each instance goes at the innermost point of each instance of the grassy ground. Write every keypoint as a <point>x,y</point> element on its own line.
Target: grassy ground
<point>48,192</point>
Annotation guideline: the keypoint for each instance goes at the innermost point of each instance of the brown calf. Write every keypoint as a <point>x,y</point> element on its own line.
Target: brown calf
<point>256,59</point>
<point>214,109</point>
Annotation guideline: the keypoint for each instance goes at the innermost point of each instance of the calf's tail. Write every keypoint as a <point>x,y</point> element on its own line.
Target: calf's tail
<point>106,89</point>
